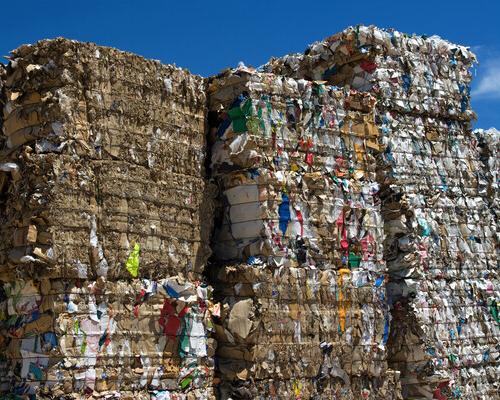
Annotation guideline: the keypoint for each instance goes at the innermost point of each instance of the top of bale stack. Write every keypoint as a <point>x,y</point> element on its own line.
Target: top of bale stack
<point>409,73</point>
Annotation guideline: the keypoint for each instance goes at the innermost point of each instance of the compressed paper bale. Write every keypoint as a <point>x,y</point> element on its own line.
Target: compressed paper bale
<point>444,249</point>
<point>320,213</point>
<point>445,254</point>
<point>308,122</point>
<point>86,114</point>
<point>129,148</point>
<point>295,326</point>
<point>302,160</point>
<point>436,79</point>
<point>66,200</point>
<point>435,182</point>
<point>435,192</point>
<point>137,335</point>
<point>439,243</point>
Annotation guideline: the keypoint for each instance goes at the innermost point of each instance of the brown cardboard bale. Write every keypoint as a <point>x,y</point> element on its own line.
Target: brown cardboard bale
<point>300,325</point>
<point>97,137</point>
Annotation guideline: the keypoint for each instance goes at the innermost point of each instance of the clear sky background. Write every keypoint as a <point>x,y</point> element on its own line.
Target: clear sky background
<point>207,36</point>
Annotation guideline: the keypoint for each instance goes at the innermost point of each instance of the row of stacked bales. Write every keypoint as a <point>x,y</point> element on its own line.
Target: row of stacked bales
<point>333,204</point>
<point>299,241</point>
<point>105,223</point>
<point>437,206</point>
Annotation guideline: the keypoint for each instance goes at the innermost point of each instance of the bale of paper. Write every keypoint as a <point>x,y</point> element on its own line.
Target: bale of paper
<point>301,276</point>
<point>105,149</point>
<point>106,217</point>
<point>438,199</point>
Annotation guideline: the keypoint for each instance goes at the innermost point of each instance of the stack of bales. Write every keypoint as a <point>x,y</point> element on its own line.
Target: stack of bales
<point>355,237</point>
<point>104,226</point>
<point>441,235</point>
<point>299,240</point>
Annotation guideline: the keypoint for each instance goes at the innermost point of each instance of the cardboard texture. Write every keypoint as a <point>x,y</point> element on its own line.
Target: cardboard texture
<point>109,149</point>
<point>300,332</point>
<point>439,204</point>
<point>105,227</point>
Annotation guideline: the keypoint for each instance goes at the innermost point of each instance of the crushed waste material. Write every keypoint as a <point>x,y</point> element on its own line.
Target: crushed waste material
<point>321,227</point>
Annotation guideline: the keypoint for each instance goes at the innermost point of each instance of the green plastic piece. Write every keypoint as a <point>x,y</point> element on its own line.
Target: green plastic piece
<point>133,261</point>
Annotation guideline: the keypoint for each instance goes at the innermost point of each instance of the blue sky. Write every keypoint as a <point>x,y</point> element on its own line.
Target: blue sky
<point>207,36</point>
